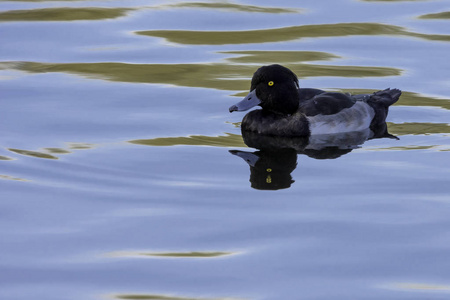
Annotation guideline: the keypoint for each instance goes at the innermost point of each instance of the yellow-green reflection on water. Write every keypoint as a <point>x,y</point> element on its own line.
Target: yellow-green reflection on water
<point>267,57</point>
<point>33,153</point>
<point>7,177</point>
<point>80,146</point>
<point>194,254</point>
<point>5,158</point>
<point>63,14</point>
<point>226,76</point>
<point>232,7</point>
<point>50,152</point>
<point>285,33</point>
<point>392,0</point>
<point>56,151</point>
<point>100,13</point>
<point>228,140</point>
<point>412,147</point>
<point>162,297</point>
<point>223,76</point>
<point>418,128</point>
<point>441,15</point>
<point>189,254</point>
<point>42,0</point>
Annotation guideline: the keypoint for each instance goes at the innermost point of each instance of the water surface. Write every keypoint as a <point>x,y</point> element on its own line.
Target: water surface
<point>123,175</point>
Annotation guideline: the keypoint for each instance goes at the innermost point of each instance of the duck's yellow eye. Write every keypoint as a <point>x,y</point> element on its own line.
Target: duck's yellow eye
<point>270,83</point>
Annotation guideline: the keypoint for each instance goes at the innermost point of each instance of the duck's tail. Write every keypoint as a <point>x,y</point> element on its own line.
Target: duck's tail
<point>380,102</point>
<point>386,97</point>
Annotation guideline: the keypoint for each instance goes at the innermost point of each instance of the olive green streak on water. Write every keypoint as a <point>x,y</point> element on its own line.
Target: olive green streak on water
<point>418,128</point>
<point>411,147</point>
<point>57,151</point>
<point>188,254</point>
<point>393,0</point>
<point>42,0</point>
<point>80,146</point>
<point>101,13</point>
<point>441,15</point>
<point>285,34</point>
<point>280,57</point>
<point>222,76</point>
<point>152,297</point>
<point>33,153</point>
<point>228,140</point>
<point>231,6</point>
<point>64,14</point>
<point>5,158</point>
<point>162,297</point>
<point>7,177</point>
<point>47,152</point>
<point>194,254</point>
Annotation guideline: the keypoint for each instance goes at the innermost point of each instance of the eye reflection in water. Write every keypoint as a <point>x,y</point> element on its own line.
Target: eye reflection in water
<point>270,169</point>
<point>271,166</point>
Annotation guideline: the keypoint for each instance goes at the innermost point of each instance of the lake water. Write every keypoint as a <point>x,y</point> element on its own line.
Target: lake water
<point>124,176</point>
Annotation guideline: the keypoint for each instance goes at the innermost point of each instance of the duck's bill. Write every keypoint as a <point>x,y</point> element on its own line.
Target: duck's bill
<point>249,157</point>
<point>248,102</point>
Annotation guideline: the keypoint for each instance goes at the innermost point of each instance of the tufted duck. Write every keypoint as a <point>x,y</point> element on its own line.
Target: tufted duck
<point>288,110</point>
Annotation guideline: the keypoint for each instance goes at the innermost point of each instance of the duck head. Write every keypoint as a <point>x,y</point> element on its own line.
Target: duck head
<point>274,88</point>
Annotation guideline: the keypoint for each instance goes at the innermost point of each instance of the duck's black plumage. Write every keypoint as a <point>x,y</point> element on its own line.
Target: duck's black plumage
<point>324,103</point>
<point>288,110</point>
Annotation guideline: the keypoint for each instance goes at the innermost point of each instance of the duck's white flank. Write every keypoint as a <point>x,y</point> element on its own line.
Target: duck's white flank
<point>355,118</point>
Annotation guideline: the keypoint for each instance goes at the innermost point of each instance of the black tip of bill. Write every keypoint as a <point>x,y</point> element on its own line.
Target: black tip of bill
<point>233,108</point>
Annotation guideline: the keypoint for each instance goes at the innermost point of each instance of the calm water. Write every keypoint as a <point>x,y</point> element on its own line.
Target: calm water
<point>123,176</point>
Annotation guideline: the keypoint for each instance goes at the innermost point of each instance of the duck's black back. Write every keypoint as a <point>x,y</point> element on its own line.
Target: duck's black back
<point>318,102</point>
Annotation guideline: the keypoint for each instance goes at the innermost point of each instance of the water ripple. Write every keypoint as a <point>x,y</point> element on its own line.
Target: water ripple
<point>189,37</point>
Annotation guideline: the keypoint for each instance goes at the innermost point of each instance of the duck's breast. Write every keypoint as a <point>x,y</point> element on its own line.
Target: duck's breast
<point>355,118</point>
<point>269,123</point>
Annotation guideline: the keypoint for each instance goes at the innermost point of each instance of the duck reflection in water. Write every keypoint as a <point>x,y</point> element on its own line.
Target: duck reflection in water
<point>271,166</point>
